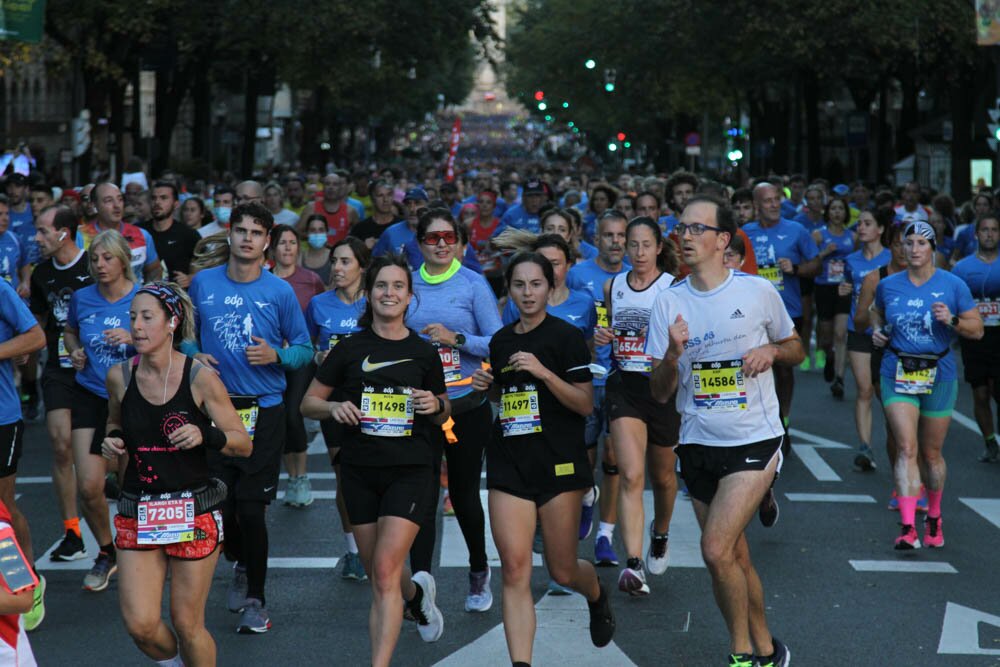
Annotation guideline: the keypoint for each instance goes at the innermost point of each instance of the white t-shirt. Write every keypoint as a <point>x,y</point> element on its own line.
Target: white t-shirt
<point>286,217</point>
<point>718,405</point>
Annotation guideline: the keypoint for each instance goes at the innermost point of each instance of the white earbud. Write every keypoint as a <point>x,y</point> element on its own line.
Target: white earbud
<point>266,246</point>
<point>62,236</point>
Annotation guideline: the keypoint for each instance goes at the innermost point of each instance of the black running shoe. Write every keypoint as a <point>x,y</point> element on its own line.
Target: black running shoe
<point>828,367</point>
<point>71,548</point>
<point>768,511</point>
<point>837,388</point>
<point>602,620</point>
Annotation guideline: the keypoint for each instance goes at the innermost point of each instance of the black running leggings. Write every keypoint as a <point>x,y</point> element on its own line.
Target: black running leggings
<point>246,541</point>
<point>465,467</point>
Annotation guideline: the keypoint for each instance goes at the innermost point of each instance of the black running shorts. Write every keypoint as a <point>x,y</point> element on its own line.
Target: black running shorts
<point>703,466</point>
<point>371,492</point>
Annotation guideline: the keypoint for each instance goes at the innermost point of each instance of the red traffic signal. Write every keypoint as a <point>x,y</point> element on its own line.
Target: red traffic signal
<point>539,95</point>
<point>621,136</point>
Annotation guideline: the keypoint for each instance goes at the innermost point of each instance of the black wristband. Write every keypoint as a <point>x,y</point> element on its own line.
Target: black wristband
<point>213,438</point>
<point>116,433</point>
<point>440,407</point>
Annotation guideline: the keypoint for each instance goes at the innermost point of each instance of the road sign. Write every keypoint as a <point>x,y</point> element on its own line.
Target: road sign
<point>692,139</point>
<point>692,150</point>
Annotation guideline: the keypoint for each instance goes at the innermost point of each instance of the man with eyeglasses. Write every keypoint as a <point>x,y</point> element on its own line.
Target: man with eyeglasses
<point>715,338</point>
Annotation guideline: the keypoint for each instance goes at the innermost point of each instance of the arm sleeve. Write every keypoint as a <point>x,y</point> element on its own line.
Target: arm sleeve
<point>779,323</point>
<point>488,322</point>
<point>658,338</point>
<point>294,356</point>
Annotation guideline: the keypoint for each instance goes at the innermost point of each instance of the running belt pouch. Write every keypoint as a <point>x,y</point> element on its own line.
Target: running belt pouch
<point>206,498</point>
<point>918,362</point>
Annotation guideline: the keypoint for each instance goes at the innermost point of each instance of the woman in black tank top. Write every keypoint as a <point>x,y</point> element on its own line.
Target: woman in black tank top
<point>161,410</point>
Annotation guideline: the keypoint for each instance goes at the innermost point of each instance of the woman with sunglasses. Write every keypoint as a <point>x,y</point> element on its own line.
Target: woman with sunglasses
<point>641,427</point>
<point>538,469</point>
<point>455,309</point>
<point>918,313</point>
<point>331,318</point>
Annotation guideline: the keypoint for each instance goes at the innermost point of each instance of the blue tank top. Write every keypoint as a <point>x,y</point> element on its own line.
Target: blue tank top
<point>834,264</point>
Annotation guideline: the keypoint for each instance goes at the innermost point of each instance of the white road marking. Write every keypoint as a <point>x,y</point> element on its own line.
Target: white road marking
<point>821,441</point>
<point>561,637</point>
<point>830,497</point>
<point>988,508</point>
<point>454,553</point>
<point>962,420</point>
<point>960,631</point>
<point>303,563</point>
<point>811,459</point>
<point>903,566</point>
<point>317,495</point>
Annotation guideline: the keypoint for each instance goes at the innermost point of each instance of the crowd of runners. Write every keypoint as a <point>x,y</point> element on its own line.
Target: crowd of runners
<point>574,336</point>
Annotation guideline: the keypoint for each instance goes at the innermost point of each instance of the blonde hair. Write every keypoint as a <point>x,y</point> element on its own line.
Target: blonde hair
<point>213,250</point>
<point>112,241</point>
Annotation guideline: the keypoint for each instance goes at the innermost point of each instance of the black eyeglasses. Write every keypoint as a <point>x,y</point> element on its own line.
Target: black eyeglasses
<point>696,229</point>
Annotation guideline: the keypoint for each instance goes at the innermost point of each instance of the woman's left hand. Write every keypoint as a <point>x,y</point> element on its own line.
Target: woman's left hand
<point>941,312</point>
<point>186,437</point>
<point>529,363</point>
<point>424,402</point>
<point>440,334</point>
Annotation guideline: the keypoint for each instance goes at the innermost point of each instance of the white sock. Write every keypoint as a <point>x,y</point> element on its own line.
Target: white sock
<point>606,530</point>
<point>352,546</point>
<point>172,662</point>
<point>589,497</point>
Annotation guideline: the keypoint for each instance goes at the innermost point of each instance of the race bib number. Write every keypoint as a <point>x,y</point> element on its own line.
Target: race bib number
<point>719,386</point>
<point>835,271</point>
<point>64,360</point>
<point>387,411</point>
<point>519,411</point>
<point>451,360</point>
<point>602,314</point>
<point>774,274</point>
<point>914,382</point>
<point>165,521</point>
<point>989,309</point>
<point>248,409</point>
<point>629,349</point>
<point>336,338</point>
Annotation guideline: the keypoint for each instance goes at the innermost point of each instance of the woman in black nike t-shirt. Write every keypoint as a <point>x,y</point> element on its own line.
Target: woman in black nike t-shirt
<point>536,466</point>
<point>395,400</point>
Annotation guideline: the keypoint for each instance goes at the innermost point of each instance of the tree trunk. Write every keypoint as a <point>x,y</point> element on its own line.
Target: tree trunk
<point>248,149</point>
<point>116,125</point>
<point>810,99</point>
<point>201,94</point>
<point>882,133</point>
<point>909,114</point>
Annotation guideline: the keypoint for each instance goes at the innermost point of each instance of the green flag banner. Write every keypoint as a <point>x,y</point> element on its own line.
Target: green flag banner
<point>22,20</point>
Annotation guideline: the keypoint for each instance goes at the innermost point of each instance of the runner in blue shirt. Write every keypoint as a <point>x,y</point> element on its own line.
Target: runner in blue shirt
<point>97,337</point>
<point>332,317</point>
<point>918,313</point>
<point>857,265</point>
<point>981,359</point>
<point>835,243</point>
<point>525,215</point>
<point>20,334</point>
<point>785,252</point>
<point>590,276</point>
<point>245,316</point>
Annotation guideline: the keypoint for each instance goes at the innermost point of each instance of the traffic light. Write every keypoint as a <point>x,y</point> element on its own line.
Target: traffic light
<point>621,136</point>
<point>612,146</point>
<point>994,139</point>
<point>590,63</point>
<point>610,74</point>
<point>565,105</point>
<point>735,155</point>
<point>542,106</point>
<point>627,144</point>
<point>539,95</point>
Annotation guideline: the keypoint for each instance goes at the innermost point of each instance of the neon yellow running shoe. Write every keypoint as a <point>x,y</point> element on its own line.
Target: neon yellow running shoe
<point>34,618</point>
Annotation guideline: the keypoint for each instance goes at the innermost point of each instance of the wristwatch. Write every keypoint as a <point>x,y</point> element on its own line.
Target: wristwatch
<point>954,321</point>
<point>459,339</point>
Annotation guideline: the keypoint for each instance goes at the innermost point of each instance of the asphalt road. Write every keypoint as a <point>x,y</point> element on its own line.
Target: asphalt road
<point>837,593</point>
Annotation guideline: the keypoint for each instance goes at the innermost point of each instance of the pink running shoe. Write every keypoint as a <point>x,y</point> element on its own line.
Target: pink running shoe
<point>933,535</point>
<point>907,539</point>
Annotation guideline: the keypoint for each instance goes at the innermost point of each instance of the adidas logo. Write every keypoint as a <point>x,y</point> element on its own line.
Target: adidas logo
<point>737,315</point>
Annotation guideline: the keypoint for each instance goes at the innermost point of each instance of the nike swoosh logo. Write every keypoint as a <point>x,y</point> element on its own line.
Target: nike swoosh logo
<point>369,367</point>
<point>752,460</point>
<point>268,488</point>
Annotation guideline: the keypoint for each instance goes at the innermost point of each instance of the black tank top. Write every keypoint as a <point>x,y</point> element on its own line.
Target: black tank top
<point>154,465</point>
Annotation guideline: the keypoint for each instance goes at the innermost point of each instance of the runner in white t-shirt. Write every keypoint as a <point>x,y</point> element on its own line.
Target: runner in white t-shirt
<point>714,338</point>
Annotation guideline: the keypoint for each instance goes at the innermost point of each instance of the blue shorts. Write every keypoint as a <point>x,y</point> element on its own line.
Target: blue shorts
<point>939,403</point>
<point>597,421</point>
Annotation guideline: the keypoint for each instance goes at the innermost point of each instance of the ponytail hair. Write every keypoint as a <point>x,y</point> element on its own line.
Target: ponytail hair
<point>371,274</point>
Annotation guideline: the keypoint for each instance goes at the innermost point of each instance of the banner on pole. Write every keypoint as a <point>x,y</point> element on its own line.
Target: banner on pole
<point>987,23</point>
<point>456,135</point>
